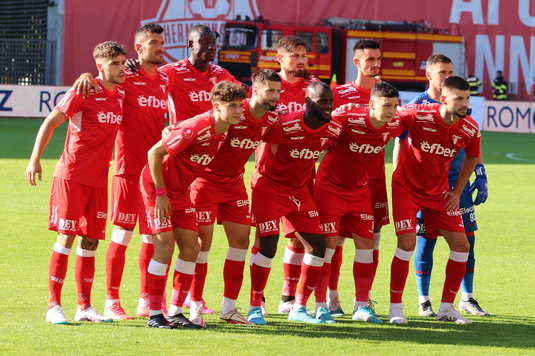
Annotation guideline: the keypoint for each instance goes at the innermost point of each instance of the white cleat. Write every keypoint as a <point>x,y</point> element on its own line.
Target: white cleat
<point>263,307</point>
<point>286,307</point>
<point>55,315</point>
<point>91,315</point>
<point>425,309</point>
<point>472,307</point>
<point>450,314</point>
<point>196,317</point>
<point>396,314</point>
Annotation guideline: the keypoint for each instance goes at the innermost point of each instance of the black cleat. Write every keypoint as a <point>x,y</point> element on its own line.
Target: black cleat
<point>159,321</point>
<point>181,320</point>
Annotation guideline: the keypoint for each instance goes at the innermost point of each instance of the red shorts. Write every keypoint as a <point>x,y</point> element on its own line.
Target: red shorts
<point>227,204</point>
<point>379,200</point>
<point>406,206</point>
<point>183,215</point>
<point>345,211</point>
<point>77,209</point>
<point>299,209</point>
<point>126,204</point>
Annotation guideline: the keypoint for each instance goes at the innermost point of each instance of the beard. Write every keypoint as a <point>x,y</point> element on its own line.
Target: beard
<point>298,73</point>
<point>154,59</point>
<point>266,105</point>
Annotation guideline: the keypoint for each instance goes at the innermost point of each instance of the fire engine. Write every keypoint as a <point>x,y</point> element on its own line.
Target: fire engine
<point>405,46</point>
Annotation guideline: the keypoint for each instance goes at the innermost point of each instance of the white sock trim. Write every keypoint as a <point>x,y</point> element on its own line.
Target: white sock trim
<point>85,253</point>
<point>63,250</point>
<point>376,240</point>
<point>262,261</point>
<point>313,261</point>
<point>202,257</point>
<point>423,298</point>
<point>185,267</point>
<point>459,256</point>
<point>329,253</point>
<point>236,254</point>
<point>147,239</point>
<point>157,268</point>
<point>121,237</point>
<point>292,258</point>
<point>403,255</point>
<point>364,256</point>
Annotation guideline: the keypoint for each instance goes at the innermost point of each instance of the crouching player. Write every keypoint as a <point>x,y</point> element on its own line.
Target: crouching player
<point>79,198</point>
<point>173,164</point>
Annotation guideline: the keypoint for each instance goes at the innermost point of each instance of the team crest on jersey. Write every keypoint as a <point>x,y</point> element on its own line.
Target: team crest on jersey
<point>324,140</point>
<point>455,139</point>
<point>120,103</point>
<point>164,88</point>
<point>264,130</point>
<point>386,136</point>
<point>213,80</point>
<point>187,132</point>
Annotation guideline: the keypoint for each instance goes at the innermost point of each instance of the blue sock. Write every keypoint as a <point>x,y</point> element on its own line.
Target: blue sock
<point>467,286</point>
<point>423,263</point>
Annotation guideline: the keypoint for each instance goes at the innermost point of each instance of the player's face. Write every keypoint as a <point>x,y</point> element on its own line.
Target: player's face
<point>203,45</point>
<point>368,61</point>
<point>113,69</point>
<point>457,101</point>
<point>268,94</point>
<point>230,111</point>
<point>294,62</point>
<point>151,48</point>
<point>438,73</point>
<point>384,108</point>
<point>321,104</point>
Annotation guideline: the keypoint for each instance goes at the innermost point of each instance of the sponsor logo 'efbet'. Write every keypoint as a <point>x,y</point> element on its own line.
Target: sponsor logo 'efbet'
<point>109,118</point>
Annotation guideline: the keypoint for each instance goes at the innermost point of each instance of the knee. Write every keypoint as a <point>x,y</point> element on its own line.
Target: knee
<point>318,246</point>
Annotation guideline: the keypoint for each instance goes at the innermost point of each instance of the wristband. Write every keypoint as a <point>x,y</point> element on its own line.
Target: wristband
<point>161,192</point>
<point>480,170</point>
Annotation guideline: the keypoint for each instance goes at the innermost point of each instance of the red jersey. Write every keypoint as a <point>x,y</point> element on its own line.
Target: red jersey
<point>93,125</point>
<point>228,166</point>
<point>191,146</point>
<point>292,97</point>
<point>345,166</point>
<point>190,89</point>
<point>290,157</point>
<point>143,120</point>
<point>431,145</point>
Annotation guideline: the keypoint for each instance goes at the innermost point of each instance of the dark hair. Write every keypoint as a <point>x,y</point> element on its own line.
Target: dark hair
<point>197,28</point>
<point>384,90</point>
<point>225,91</point>
<point>147,28</point>
<point>264,76</point>
<point>316,85</point>
<point>435,59</point>
<point>366,43</point>
<point>290,43</point>
<point>109,49</point>
<point>455,82</point>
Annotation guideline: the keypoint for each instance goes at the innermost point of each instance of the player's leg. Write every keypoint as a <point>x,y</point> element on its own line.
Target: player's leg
<point>423,266</point>
<point>336,264</point>
<point>467,303</point>
<point>399,271</point>
<point>292,261</point>
<point>321,289</point>
<point>254,251</point>
<point>146,252</point>
<point>196,300</point>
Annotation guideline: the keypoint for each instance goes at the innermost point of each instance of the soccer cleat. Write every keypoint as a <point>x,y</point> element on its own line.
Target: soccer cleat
<point>366,314</point>
<point>55,315</point>
<point>324,314</point>
<point>255,316</point>
<point>302,315</point>
<point>143,312</point>
<point>205,309</point>
<point>234,317</point>
<point>396,315</point>
<point>425,309</point>
<point>286,307</point>
<point>371,305</point>
<point>335,308</point>
<point>116,312</point>
<point>159,321</point>
<point>180,320</point>
<point>196,317</point>
<point>450,314</point>
<point>472,307</point>
<point>91,315</point>
<point>263,307</point>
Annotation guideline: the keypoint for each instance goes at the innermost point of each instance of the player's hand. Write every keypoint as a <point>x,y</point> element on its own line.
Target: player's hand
<point>454,197</point>
<point>281,112</point>
<point>132,64</point>
<point>480,183</point>
<point>34,168</point>
<point>348,106</point>
<point>162,208</point>
<point>378,79</point>
<point>83,85</point>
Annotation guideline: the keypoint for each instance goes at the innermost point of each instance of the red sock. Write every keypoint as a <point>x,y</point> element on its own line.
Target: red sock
<point>259,277</point>
<point>362,275</point>
<point>156,278</point>
<point>336,264</point>
<point>292,261</point>
<point>199,277</point>
<point>145,255</point>
<point>311,272</point>
<point>398,276</point>
<point>115,260</point>
<point>454,276</point>
<point>182,281</point>
<point>233,272</point>
<point>321,289</point>
<point>254,251</point>
<point>84,273</point>
<point>57,271</point>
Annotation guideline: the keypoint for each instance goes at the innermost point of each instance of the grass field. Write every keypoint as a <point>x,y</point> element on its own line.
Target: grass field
<point>504,282</point>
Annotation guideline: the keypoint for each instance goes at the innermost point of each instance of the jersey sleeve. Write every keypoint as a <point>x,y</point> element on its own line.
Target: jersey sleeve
<point>342,115</point>
<point>71,103</point>
<point>170,71</point>
<point>275,134</point>
<point>474,148</point>
<point>179,139</point>
<point>407,113</point>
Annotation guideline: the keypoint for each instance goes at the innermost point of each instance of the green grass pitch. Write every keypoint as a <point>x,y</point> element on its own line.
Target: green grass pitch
<point>504,280</point>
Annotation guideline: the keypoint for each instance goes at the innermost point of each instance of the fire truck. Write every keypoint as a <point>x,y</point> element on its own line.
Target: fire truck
<point>405,46</point>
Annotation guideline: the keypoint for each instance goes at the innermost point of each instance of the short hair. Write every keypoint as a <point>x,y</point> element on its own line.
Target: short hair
<point>384,90</point>
<point>435,59</point>
<point>226,91</point>
<point>315,86</point>
<point>455,82</point>
<point>264,76</point>
<point>366,43</point>
<point>109,49</point>
<point>147,28</point>
<point>499,71</point>
<point>290,43</point>
<point>197,28</point>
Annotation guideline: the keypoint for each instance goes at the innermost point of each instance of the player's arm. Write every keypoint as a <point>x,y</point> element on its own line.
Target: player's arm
<point>82,86</point>
<point>398,147</point>
<point>53,120</point>
<point>454,195</point>
<point>163,204</point>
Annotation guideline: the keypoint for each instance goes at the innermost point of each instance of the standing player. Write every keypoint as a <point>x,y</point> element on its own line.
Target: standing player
<point>367,59</point>
<point>280,189</point>
<point>173,164</point>
<point>220,193</point>
<point>440,67</point>
<point>341,192</point>
<point>78,203</point>
<point>437,132</point>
